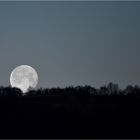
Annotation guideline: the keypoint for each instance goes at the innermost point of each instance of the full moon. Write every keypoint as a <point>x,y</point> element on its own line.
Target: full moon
<point>24,77</point>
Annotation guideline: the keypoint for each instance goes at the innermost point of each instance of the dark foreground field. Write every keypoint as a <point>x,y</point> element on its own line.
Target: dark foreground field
<point>70,117</point>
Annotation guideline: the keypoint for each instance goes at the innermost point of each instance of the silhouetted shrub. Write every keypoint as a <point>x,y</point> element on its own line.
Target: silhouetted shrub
<point>10,92</point>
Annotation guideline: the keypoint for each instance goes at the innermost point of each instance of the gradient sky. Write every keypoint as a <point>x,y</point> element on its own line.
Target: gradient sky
<point>71,43</point>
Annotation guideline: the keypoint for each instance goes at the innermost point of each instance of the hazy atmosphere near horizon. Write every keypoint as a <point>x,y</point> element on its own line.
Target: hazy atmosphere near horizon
<point>71,43</point>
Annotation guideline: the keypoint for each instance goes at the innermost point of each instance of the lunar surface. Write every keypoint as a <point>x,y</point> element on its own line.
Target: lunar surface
<point>24,77</point>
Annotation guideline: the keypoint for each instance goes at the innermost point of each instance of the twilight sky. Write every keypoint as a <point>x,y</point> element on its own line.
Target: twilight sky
<point>71,43</point>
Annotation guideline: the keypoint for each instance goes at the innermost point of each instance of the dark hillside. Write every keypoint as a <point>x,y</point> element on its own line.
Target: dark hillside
<point>69,115</point>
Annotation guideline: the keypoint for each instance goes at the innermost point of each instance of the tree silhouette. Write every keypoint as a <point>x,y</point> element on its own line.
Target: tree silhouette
<point>10,92</point>
<point>71,112</point>
<point>110,89</point>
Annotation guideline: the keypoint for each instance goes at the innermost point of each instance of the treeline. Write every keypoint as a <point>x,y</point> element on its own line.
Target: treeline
<point>107,90</point>
<point>71,112</point>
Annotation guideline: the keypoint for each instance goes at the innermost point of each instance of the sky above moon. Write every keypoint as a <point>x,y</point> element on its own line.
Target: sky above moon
<point>71,43</point>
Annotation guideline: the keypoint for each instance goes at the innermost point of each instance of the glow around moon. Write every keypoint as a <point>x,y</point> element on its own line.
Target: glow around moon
<point>24,77</point>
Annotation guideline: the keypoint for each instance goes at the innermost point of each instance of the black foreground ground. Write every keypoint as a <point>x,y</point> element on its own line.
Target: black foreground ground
<point>70,116</point>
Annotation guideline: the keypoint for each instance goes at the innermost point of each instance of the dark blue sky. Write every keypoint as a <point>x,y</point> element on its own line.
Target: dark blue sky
<point>72,43</point>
